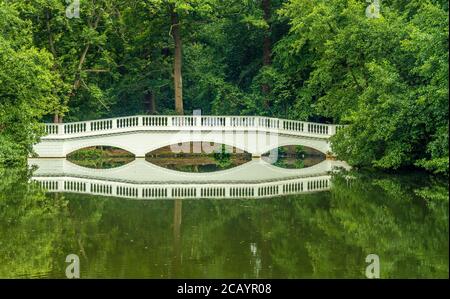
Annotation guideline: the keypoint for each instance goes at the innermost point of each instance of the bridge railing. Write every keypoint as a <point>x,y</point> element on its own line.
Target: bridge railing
<point>174,122</point>
<point>173,191</point>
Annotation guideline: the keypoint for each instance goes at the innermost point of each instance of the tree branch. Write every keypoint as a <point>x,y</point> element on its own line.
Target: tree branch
<point>97,70</point>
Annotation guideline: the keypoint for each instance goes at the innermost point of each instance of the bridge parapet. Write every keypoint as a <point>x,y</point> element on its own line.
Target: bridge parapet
<point>189,123</point>
<point>185,191</point>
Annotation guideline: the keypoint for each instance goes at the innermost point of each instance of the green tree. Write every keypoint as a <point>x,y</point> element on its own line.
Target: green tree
<point>29,87</point>
<point>83,51</point>
<point>387,78</point>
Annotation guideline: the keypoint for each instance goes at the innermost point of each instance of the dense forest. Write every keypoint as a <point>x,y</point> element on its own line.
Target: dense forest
<point>384,73</point>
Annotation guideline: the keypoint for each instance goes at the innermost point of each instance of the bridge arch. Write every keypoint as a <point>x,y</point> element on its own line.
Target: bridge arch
<point>139,144</point>
<point>141,171</point>
<point>229,139</point>
<point>204,146</point>
<point>319,147</point>
<point>255,145</point>
<point>73,146</point>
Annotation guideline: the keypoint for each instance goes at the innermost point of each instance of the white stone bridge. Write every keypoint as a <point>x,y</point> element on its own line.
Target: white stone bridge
<point>140,135</point>
<point>143,180</point>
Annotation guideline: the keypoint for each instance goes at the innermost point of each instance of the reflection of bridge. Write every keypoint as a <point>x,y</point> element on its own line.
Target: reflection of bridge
<point>142,180</point>
<point>142,134</point>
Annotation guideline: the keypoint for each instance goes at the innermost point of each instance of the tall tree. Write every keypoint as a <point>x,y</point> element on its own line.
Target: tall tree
<point>177,59</point>
<point>78,45</point>
<point>184,12</point>
<point>267,45</point>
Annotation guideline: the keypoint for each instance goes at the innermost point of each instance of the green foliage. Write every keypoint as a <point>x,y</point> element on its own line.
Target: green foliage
<point>299,150</point>
<point>26,214</point>
<point>100,157</point>
<point>29,88</point>
<point>87,154</point>
<point>223,157</point>
<point>386,78</point>
<point>436,165</point>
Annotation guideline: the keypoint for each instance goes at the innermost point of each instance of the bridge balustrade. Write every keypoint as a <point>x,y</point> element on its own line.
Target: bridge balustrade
<point>171,191</point>
<point>224,123</point>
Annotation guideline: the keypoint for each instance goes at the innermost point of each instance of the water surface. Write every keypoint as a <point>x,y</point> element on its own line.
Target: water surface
<point>402,218</point>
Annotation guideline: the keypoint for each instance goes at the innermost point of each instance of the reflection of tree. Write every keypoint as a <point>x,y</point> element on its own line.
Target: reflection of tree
<point>100,157</point>
<point>223,158</point>
<point>294,157</point>
<point>125,238</point>
<point>403,219</point>
<point>31,227</point>
<point>176,263</point>
<point>382,216</point>
<point>330,234</point>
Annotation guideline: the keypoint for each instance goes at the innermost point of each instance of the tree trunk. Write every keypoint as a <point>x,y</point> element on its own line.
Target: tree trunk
<point>53,51</point>
<point>81,62</point>
<point>176,262</point>
<point>267,48</point>
<point>152,103</point>
<point>177,63</point>
<point>149,103</point>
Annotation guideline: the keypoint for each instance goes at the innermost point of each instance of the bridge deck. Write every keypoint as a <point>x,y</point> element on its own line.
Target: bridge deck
<point>190,123</point>
<point>143,180</point>
<point>140,135</point>
<point>142,172</point>
<point>186,191</point>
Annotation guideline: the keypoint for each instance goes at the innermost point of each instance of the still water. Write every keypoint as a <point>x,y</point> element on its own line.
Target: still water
<point>324,232</point>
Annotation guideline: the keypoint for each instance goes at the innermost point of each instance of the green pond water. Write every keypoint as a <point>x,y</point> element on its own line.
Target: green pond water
<point>403,218</point>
